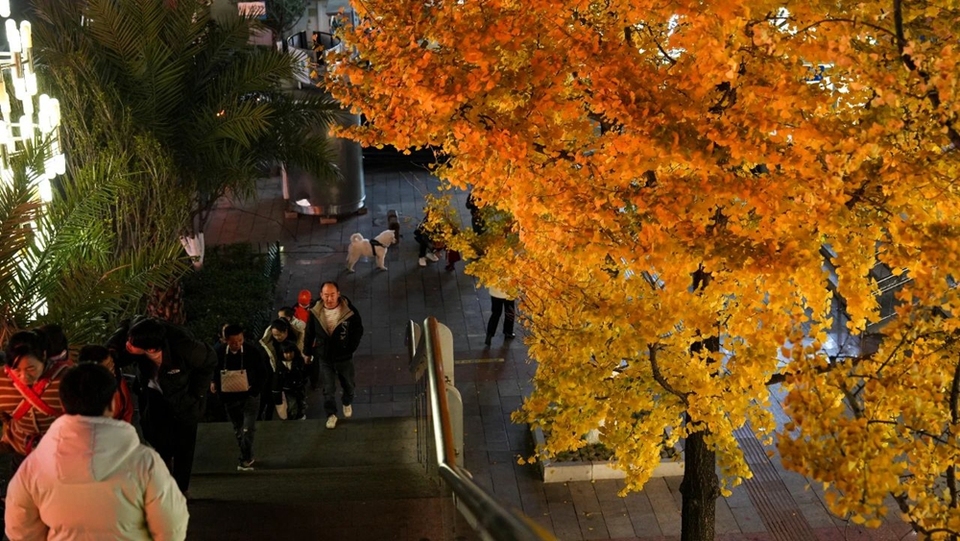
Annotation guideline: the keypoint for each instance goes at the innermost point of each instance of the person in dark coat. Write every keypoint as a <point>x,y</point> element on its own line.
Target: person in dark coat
<point>333,335</point>
<point>174,374</point>
<point>290,382</point>
<point>476,215</point>
<point>427,246</point>
<point>241,406</point>
<point>273,336</point>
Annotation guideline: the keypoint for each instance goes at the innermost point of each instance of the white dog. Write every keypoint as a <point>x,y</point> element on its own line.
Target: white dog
<point>375,247</point>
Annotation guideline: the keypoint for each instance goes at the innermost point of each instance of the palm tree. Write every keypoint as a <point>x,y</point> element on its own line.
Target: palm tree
<point>68,261</point>
<point>18,210</point>
<point>164,111</point>
<point>196,85</point>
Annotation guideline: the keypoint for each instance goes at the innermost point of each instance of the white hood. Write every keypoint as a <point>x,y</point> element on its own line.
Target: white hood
<point>89,449</point>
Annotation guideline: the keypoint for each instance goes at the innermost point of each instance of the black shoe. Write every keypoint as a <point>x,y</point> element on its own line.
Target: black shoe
<point>488,339</point>
<point>509,336</point>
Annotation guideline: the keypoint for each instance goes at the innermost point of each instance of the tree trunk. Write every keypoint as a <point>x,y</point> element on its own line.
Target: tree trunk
<point>700,489</point>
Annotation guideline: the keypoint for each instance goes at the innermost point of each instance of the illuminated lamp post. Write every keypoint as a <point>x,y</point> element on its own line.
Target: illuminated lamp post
<point>28,121</point>
<point>39,116</point>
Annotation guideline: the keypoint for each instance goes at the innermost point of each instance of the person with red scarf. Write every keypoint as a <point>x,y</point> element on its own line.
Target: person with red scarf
<point>29,393</point>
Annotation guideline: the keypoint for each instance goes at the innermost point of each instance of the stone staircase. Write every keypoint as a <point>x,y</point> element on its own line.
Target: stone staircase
<point>360,481</point>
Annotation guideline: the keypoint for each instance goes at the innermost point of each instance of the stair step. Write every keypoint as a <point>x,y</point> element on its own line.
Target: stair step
<point>329,484</point>
<point>382,520</point>
<point>359,481</point>
<point>285,445</point>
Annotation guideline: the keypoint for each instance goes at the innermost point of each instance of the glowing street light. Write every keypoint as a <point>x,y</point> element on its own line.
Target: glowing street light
<point>27,117</point>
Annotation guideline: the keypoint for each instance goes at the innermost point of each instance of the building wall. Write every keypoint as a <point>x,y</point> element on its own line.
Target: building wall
<point>316,17</point>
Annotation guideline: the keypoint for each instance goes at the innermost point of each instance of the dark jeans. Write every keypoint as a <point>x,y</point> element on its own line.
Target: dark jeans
<point>296,403</point>
<point>424,242</point>
<point>313,374</point>
<point>243,414</point>
<point>266,406</point>
<point>497,306</point>
<point>172,436</point>
<point>331,373</point>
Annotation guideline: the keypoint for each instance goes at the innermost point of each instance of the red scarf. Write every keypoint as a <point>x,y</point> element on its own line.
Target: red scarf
<point>31,395</point>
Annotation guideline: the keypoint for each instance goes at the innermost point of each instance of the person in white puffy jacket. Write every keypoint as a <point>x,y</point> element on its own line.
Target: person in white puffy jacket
<point>90,478</point>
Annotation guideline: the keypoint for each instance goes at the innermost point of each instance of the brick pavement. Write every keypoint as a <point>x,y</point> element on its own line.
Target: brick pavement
<point>775,505</point>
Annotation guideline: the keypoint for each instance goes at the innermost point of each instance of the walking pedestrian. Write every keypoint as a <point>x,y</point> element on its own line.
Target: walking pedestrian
<point>174,371</point>
<point>333,335</point>
<point>123,406</point>
<point>500,302</point>
<point>289,315</point>
<point>302,310</point>
<point>476,215</point>
<point>239,380</point>
<point>90,478</point>
<point>290,383</point>
<point>57,347</point>
<point>29,393</point>
<point>273,336</point>
<point>427,248</point>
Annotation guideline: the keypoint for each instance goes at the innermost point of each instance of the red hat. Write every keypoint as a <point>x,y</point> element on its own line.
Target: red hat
<point>304,297</point>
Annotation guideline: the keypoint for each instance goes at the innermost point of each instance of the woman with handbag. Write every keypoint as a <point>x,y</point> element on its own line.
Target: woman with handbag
<point>240,376</point>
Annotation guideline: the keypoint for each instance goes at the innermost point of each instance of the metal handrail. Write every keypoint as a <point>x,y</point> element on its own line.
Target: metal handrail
<point>490,520</point>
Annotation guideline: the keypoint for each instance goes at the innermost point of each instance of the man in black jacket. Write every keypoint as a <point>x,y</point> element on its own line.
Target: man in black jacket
<point>241,405</point>
<point>174,374</point>
<point>333,333</point>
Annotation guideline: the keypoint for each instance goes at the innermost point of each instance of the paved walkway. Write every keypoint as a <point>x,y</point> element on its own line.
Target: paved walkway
<point>774,505</point>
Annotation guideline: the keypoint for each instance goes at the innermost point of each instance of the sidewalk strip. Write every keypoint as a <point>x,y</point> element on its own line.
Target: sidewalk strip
<point>769,494</point>
<point>478,361</point>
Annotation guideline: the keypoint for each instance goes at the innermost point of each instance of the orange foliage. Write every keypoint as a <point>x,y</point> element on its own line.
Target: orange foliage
<point>633,142</point>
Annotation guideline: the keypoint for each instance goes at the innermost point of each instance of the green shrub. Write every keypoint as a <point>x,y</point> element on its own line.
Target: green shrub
<point>236,285</point>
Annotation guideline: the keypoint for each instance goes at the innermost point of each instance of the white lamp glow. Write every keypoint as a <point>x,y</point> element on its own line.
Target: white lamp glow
<point>13,36</point>
<point>45,190</point>
<point>26,37</point>
<point>30,80</point>
<point>39,117</point>
<point>26,126</point>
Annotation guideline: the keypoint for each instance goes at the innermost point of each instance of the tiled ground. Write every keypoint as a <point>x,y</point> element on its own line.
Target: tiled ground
<point>775,505</point>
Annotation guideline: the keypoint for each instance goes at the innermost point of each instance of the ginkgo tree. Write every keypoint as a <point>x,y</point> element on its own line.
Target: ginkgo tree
<point>670,172</point>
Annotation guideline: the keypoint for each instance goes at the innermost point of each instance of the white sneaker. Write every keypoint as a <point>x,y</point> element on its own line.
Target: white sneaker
<point>348,411</point>
<point>432,257</point>
<point>332,421</point>
<point>422,262</point>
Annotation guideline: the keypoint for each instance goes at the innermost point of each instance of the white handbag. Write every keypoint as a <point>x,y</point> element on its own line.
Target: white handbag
<point>234,381</point>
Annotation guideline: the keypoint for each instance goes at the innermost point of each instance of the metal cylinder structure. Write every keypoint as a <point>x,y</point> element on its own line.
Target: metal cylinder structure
<point>306,194</point>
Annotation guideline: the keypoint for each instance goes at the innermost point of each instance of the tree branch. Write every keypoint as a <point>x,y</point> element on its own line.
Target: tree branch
<point>918,431</point>
<point>673,61</point>
<point>932,94</point>
<point>811,26</point>
<point>954,417</point>
<point>662,381</point>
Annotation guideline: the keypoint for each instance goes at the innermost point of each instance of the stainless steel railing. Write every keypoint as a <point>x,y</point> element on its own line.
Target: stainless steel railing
<point>437,449</point>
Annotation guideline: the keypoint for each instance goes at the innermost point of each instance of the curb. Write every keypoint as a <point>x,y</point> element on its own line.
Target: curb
<point>594,470</point>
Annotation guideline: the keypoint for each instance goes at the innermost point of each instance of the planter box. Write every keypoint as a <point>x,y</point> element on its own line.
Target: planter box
<point>562,472</point>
